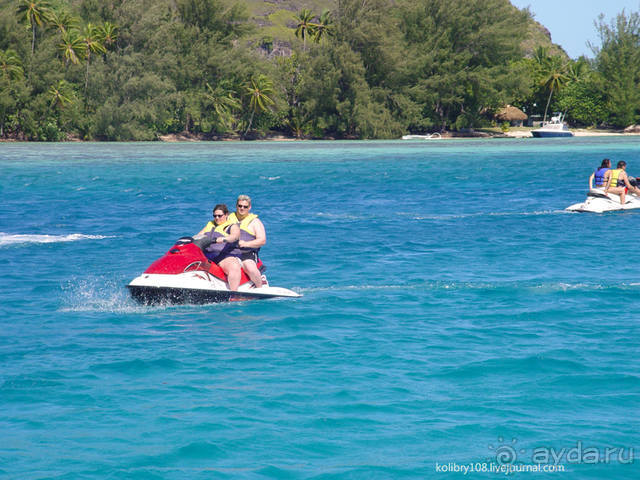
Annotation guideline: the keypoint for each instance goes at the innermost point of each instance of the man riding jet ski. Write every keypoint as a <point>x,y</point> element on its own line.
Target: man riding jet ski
<point>614,190</point>
<point>185,275</point>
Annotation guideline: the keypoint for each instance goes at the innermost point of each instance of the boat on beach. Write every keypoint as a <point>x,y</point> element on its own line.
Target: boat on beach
<point>432,136</point>
<point>554,128</point>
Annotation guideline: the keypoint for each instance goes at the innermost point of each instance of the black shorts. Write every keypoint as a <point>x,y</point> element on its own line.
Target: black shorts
<point>250,255</point>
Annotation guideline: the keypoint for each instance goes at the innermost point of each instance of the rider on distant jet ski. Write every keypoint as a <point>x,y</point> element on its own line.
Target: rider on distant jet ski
<point>617,181</point>
<point>599,174</point>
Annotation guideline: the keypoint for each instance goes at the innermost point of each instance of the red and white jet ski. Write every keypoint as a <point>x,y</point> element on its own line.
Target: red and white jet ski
<point>185,275</point>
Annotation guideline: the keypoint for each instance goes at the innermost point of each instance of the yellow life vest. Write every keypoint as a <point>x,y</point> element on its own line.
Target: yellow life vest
<point>209,226</point>
<point>614,177</point>
<point>244,224</point>
<point>220,228</point>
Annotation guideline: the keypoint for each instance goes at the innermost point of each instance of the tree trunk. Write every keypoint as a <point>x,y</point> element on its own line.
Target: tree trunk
<point>547,107</point>
<point>86,78</point>
<point>250,122</point>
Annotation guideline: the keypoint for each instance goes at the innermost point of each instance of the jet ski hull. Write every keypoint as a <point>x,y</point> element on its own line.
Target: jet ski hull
<point>599,202</point>
<point>197,296</point>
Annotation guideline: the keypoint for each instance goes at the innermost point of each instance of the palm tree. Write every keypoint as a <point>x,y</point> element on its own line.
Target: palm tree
<point>259,89</point>
<point>541,55</point>
<point>60,94</point>
<point>62,20</point>
<point>222,101</point>
<point>305,26</point>
<point>10,70</point>
<point>108,34</point>
<point>554,78</point>
<point>577,71</point>
<point>10,65</point>
<point>72,47</point>
<point>33,12</point>
<point>324,27</point>
<point>297,125</point>
<point>91,39</point>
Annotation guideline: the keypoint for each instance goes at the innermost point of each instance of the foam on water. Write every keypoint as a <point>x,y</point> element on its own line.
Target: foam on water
<point>96,294</point>
<point>489,214</point>
<point>440,285</point>
<point>7,239</point>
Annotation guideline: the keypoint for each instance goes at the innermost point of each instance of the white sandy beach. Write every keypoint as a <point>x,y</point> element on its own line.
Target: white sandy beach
<point>577,132</point>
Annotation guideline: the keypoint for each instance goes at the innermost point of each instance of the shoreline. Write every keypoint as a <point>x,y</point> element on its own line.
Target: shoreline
<point>579,132</point>
<point>183,137</point>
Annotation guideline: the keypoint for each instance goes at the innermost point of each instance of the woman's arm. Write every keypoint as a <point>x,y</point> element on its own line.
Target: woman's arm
<point>234,234</point>
<point>607,180</point>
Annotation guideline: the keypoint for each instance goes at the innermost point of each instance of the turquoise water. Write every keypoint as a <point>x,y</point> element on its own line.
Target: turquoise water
<point>452,314</point>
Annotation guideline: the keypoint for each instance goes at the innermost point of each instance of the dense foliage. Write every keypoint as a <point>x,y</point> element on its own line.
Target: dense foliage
<point>137,69</point>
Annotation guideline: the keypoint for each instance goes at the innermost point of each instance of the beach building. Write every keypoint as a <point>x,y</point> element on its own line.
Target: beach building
<point>511,114</point>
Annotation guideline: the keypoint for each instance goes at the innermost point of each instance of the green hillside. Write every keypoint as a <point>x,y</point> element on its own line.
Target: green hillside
<point>538,36</point>
<point>143,69</point>
<point>276,21</point>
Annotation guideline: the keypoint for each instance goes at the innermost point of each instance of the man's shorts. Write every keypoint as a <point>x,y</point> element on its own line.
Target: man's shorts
<point>251,255</point>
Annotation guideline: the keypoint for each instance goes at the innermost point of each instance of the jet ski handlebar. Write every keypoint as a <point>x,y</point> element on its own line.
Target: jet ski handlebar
<point>202,241</point>
<point>184,240</point>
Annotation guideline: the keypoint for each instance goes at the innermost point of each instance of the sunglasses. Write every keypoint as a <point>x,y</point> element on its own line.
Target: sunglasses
<point>242,206</point>
<point>217,216</point>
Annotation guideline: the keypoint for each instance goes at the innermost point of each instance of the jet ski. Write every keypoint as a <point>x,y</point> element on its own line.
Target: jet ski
<point>598,202</point>
<point>185,275</point>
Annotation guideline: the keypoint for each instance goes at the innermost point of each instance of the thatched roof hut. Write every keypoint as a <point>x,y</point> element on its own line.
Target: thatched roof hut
<point>511,114</point>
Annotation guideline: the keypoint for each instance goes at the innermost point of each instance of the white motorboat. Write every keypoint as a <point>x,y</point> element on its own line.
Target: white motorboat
<point>598,202</point>
<point>185,275</point>
<point>554,128</point>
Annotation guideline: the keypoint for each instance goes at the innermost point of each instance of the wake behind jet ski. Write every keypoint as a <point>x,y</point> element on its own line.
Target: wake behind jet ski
<point>185,275</point>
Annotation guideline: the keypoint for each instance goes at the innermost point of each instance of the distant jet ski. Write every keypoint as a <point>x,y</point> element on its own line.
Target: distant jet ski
<point>598,202</point>
<point>185,275</point>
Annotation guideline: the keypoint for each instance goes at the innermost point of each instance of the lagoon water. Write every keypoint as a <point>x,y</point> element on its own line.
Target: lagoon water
<point>453,313</point>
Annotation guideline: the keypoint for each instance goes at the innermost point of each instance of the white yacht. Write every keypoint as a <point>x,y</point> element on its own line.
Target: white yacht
<point>554,128</point>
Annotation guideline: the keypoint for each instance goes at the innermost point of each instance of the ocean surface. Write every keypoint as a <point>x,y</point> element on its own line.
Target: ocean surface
<point>453,314</point>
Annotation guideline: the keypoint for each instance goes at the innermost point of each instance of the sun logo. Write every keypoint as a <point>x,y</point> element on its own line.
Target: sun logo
<point>506,453</point>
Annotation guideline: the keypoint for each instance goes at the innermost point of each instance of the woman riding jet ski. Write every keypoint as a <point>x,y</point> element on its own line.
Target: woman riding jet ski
<point>185,275</point>
<point>615,190</point>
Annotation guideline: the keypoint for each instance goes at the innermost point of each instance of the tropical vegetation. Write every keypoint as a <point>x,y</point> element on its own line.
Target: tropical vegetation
<point>140,69</point>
